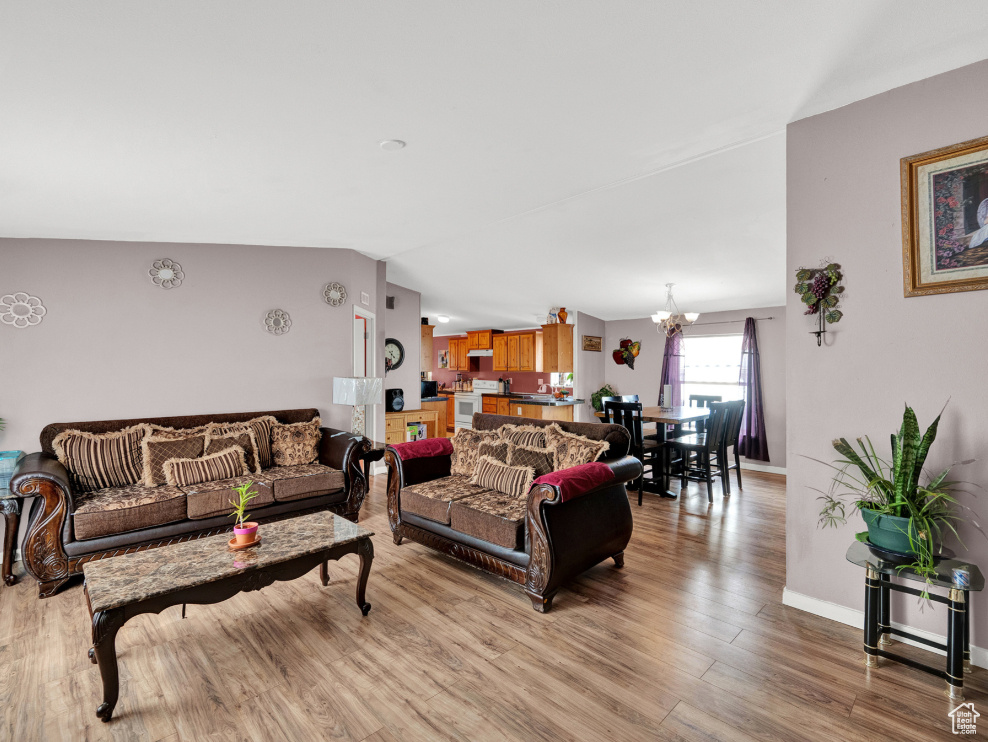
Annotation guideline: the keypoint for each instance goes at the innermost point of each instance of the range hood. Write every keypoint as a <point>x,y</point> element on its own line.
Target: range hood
<point>480,354</point>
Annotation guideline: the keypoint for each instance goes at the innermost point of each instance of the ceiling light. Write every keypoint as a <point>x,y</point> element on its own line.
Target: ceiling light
<point>670,319</point>
<point>392,145</point>
<point>442,318</point>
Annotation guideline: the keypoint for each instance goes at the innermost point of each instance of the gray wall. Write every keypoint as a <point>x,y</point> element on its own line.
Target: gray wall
<point>404,324</point>
<point>844,202</point>
<point>588,372</point>
<point>113,345</point>
<point>644,379</point>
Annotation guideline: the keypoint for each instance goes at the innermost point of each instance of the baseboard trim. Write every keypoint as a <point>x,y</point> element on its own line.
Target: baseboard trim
<point>853,617</point>
<point>763,467</point>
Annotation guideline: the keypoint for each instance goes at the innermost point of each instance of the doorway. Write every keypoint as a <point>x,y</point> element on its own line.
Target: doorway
<point>365,355</point>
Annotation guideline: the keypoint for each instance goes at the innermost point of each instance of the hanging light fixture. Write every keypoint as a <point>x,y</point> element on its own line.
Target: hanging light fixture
<point>670,319</point>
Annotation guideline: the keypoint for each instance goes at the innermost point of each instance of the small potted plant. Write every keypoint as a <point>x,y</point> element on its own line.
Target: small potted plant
<point>903,516</point>
<point>245,532</point>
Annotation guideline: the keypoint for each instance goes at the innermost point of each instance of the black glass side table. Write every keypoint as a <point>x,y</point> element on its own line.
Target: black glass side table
<point>878,628</point>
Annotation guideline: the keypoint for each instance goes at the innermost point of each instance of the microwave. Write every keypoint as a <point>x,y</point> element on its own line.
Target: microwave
<point>430,389</point>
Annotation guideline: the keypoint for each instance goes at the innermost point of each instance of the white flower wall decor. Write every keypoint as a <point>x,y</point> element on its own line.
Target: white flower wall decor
<point>166,273</point>
<point>21,310</point>
<point>335,294</point>
<point>278,322</point>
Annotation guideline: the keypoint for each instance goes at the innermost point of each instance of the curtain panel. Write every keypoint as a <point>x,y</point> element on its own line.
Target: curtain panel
<point>673,370</point>
<point>754,444</point>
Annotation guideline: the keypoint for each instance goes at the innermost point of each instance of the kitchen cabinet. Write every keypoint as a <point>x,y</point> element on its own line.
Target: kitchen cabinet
<point>489,405</point>
<point>500,343</point>
<point>428,361</point>
<point>450,411</point>
<point>557,349</point>
<point>503,406</point>
<point>540,412</point>
<point>440,409</point>
<point>513,352</point>
<point>396,422</point>
<point>527,346</point>
<point>458,359</point>
<point>464,358</point>
<point>480,339</point>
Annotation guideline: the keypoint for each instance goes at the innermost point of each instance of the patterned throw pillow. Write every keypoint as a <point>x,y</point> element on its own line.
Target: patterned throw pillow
<point>531,436</point>
<point>244,437</point>
<point>156,450</point>
<point>542,460</point>
<point>225,464</point>
<point>99,460</point>
<point>573,450</point>
<point>295,444</point>
<point>161,431</point>
<point>511,480</point>
<point>495,449</point>
<point>262,432</point>
<point>466,449</point>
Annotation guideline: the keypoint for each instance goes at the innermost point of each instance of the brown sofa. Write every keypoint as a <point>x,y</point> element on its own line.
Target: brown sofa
<point>67,529</point>
<point>540,541</point>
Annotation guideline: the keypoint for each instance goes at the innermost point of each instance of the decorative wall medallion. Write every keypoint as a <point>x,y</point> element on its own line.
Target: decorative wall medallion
<point>278,322</point>
<point>335,294</point>
<point>21,310</point>
<point>166,273</point>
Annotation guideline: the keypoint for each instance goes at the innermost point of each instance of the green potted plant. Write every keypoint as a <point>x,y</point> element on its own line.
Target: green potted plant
<point>597,396</point>
<point>902,515</point>
<point>245,532</point>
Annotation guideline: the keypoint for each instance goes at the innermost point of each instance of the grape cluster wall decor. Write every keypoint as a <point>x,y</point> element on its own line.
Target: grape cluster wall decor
<point>820,290</point>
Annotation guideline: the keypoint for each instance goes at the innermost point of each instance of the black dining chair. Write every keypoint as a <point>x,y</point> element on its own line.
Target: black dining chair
<point>702,400</point>
<point>731,440</point>
<point>629,415</point>
<point>702,452</point>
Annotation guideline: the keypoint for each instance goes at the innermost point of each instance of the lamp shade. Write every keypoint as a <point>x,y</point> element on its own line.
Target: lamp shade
<point>358,390</point>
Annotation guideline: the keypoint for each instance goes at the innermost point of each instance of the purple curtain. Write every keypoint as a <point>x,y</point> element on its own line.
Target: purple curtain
<point>754,444</point>
<point>673,370</point>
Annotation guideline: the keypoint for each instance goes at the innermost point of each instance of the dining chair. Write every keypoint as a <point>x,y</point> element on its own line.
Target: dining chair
<point>731,440</point>
<point>699,450</point>
<point>629,415</point>
<point>702,400</point>
<point>633,398</point>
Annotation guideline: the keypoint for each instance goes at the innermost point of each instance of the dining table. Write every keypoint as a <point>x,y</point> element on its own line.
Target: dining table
<point>658,483</point>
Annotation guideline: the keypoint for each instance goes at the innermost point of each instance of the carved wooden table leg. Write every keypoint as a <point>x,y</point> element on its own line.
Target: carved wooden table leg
<point>324,573</point>
<point>11,509</point>
<point>366,552</point>
<point>105,626</point>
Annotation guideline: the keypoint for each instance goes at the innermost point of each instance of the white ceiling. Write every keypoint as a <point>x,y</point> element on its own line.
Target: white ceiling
<point>560,153</point>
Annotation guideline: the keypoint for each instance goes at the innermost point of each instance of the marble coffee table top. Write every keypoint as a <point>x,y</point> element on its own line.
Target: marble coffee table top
<point>130,578</point>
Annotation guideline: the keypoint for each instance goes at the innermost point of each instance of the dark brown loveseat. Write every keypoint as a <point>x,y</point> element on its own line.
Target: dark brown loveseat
<point>541,542</point>
<point>53,551</point>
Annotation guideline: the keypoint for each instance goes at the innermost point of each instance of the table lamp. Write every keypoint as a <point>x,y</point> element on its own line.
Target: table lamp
<point>358,391</point>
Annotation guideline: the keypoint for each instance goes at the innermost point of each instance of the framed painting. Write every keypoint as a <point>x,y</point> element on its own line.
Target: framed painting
<point>444,359</point>
<point>592,342</point>
<point>945,219</point>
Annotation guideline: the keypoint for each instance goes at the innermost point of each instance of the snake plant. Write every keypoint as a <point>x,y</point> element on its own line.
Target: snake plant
<point>868,481</point>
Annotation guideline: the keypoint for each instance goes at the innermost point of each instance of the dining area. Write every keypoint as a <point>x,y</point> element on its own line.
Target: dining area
<point>698,442</point>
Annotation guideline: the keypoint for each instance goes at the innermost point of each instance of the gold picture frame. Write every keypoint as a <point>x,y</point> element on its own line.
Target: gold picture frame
<point>594,343</point>
<point>945,219</point>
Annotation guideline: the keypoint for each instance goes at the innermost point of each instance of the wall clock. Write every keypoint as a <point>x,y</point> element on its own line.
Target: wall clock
<point>394,354</point>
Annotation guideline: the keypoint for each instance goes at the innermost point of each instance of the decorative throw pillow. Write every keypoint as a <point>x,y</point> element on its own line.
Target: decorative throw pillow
<point>262,432</point>
<point>297,443</point>
<point>531,436</point>
<point>496,449</point>
<point>156,450</point>
<point>161,431</point>
<point>571,449</point>
<point>542,460</point>
<point>99,460</point>
<point>244,437</point>
<point>466,449</point>
<point>511,480</point>
<point>225,464</point>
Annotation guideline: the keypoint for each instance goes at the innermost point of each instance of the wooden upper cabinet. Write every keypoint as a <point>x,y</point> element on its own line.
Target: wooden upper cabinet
<point>428,361</point>
<point>462,357</point>
<point>526,352</point>
<point>513,353</point>
<point>500,343</point>
<point>480,339</point>
<point>557,348</point>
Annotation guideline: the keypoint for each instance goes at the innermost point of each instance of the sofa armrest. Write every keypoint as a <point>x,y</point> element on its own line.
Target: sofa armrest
<point>413,463</point>
<point>41,475</point>
<point>342,450</point>
<point>575,521</point>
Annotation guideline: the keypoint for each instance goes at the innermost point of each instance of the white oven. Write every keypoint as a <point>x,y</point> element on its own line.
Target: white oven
<point>467,403</point>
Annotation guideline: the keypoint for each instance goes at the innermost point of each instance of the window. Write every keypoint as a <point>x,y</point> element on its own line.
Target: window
<point>713,364</point>
<point>561,379</point>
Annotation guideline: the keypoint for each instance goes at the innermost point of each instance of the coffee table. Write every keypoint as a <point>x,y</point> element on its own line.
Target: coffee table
<point>206,571</point>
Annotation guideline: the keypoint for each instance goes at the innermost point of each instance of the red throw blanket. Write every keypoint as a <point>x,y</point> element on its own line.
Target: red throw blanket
<point>423,449</point>
<point>577,480</point>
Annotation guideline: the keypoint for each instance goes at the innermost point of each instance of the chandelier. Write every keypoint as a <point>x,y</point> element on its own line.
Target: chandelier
<point>670,319</point>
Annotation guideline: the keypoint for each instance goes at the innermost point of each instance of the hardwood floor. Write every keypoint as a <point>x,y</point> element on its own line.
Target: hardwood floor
<point>690,641</point>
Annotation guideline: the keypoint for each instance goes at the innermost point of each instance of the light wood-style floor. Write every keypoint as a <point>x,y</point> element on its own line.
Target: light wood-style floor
<point>689,641</point>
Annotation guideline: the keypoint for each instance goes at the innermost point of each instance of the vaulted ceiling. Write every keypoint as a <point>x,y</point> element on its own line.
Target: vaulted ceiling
<point>559,153</point>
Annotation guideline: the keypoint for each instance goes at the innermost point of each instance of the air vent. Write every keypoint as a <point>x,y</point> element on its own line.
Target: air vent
<point>389,302</point>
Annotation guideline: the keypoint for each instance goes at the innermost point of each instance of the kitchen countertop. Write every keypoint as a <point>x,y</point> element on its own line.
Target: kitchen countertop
<point>567,402</point>
<point>433,399</point>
